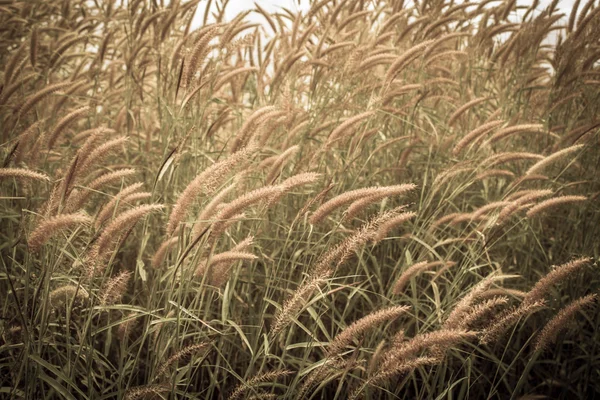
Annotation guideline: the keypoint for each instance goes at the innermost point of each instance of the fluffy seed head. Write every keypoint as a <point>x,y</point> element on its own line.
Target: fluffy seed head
<point>550,332</point>
<point>54,225</point>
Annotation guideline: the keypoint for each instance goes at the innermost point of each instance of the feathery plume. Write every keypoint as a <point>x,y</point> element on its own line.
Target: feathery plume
<point>98,154</point>
<point>161,253</point>
<point>508,318</point>
<point>142,392</point>
<point>553,203</point>
<point>516,205</point>
<point>204,183</point>
<point>279,161</point>
<point>437,341</point>
<point>558,274</point>
<point>412,271</point>
<point>549,333</point>
<point>64,294</point>
<point>220,264</point>
<point>242,388</point>
<point>92,136</point>
<point>199,52</point>
<point>304,178</point>
<point>25,138</point>
<point>494,172</point>
<point>477,312</point>
<point>183,353</point>
<point>113,290</point>
<point>382,192</point>
<point>209,210</point>
<point>462,109</point>
<point>347,124</point>
<point>344,338</point>
<point>292,305</point>
<point>266,193</point>
<point>343,251</point>
<point>502,158</point>
<point>230,75</point>
<point>540,165</point>
<point>348,197</point>
<point>109,208</point>
<point>465,305</point>
<point>512,130</point>
<point>64,122</point>
<point>253,122</point>
<point>22,173</point>
<point>403,60</point>
<point>123,222</point>
<point>127,326</point>
<point>394,369</point>
<point>79,197</point>
<point>35,98</point>
<point>475,134</point>
<point>50,227</point>
<point>386,226</point>
<point>443,220</point>
<point>8,91</point>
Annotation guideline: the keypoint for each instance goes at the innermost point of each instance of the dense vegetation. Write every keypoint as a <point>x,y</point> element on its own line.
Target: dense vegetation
<point>370,199</point>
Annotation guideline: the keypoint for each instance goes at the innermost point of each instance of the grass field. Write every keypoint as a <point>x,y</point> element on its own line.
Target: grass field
<point>369,199</point>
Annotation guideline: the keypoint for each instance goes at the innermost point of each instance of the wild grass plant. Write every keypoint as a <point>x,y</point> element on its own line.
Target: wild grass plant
<point>371,199</point>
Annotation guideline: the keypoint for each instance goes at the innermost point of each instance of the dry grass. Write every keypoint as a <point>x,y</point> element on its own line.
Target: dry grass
<point>359,199</point>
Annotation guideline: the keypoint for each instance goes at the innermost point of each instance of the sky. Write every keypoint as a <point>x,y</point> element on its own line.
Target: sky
<point>236,6</point>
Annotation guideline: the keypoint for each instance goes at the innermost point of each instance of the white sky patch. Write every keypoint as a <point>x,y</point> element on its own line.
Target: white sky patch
<point>234,7</point>
<point>237,6</point>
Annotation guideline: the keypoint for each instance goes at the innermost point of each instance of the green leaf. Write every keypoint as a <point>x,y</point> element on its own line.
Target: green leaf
<point>55,384</point>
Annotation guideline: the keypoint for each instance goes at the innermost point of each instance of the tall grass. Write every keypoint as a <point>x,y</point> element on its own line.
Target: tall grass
<point>361,201</point>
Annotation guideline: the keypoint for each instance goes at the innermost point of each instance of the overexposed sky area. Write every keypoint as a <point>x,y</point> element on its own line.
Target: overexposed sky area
<point>236,6</point>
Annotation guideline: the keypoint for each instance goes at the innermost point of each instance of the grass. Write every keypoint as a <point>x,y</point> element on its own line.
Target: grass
<point>365,200</point>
